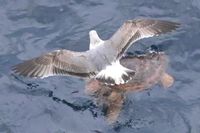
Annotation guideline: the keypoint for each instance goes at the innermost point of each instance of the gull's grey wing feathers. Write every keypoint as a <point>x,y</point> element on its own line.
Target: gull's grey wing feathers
<point>133,30</point>
<point>59,62</point>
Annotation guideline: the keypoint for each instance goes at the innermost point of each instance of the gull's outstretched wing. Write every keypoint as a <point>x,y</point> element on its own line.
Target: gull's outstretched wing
<point>59,62</point>
<point>128,33</point>
<point>133,30</point>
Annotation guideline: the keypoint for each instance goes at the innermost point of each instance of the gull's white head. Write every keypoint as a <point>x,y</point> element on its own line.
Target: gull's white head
<point>94,39</point>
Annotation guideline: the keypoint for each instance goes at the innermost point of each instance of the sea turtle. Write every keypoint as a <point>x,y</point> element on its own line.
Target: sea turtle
<point>150,69</point>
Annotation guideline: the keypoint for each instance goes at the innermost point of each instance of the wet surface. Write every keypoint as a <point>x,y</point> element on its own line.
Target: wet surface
<point>58,104</point>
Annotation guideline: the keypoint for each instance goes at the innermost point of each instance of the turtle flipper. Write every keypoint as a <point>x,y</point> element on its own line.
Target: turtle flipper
<point>167,80</point>
<point>114,104</point>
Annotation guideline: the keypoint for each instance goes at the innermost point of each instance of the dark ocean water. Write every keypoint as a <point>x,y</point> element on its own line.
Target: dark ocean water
<point>29,28</point>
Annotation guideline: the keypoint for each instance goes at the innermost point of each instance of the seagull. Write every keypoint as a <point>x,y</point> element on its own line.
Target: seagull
<point>102,60</point>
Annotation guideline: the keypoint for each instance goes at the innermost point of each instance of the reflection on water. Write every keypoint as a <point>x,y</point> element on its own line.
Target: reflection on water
<point>59,104</point>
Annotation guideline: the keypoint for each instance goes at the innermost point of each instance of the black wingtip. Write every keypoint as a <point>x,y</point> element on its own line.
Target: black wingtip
<point>107,81</point>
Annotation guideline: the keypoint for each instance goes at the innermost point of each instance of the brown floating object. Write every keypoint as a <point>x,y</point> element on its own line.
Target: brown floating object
<point>150,69</point>
<point>167,80</point>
